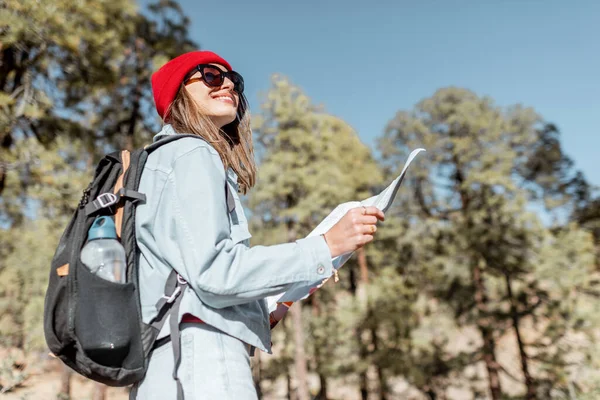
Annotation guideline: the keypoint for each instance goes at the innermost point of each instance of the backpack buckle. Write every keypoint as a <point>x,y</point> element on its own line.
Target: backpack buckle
<point>102,201</point>
<point>180,283</point>
<point>107,199</point>
<point>173,296</point>
<point>180,280</point>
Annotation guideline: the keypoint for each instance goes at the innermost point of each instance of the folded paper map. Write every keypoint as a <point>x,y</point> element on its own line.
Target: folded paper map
<point>279,304</point>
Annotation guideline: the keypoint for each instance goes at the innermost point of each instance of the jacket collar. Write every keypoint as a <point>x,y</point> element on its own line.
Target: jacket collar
<point>167,130</point>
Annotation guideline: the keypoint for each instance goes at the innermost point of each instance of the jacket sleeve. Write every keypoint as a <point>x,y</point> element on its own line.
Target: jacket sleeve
<point>223,273</point>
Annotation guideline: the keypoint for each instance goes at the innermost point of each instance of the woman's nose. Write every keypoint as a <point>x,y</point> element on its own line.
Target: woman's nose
<point>227,84</point>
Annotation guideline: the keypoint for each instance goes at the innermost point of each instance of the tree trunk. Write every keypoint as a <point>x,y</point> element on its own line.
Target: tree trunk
<point>529,381</point>
<point>19,320</point>
<point>362,264</point>
<point>352,281</point>
<point>3,171</point>
<point>10,66</point>
<point>290,391</point>
<point>323,390</point>
<point>383,387</point>
<point>361,293</point>
<point>481,301</point>
<point>300,356</point>
<point>65,383</point>
<point>487,333</point>
<point>6,141</point>
<point>99,392</point>
<point>257,374</point>
<point>137,96</point>
<point>323,387</point>
<point>316,311</point>
<point>364,386</point>
<point>8,63</point>
<point>431,395</point>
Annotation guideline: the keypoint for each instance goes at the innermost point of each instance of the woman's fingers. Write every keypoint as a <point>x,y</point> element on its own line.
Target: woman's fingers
<point>366,239</point>
<point>368,229</point>
<point>354,230</point>
<point>376,212</point>
<point>371,210</point>
<point>365,220</point>
<point>368,219</point>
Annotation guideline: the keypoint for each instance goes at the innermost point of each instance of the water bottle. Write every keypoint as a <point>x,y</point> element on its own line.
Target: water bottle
<point>103,254</point>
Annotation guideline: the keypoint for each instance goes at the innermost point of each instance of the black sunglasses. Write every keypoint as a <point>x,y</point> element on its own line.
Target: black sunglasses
<point>214,77</point>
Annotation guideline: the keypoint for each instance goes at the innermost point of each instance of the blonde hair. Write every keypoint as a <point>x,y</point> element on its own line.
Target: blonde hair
<point>233,142</point>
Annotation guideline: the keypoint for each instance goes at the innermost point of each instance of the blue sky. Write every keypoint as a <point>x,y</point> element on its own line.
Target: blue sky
<point>539,53</point>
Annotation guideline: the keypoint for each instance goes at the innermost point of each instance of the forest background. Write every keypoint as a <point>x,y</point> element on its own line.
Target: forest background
<point>484,280</point>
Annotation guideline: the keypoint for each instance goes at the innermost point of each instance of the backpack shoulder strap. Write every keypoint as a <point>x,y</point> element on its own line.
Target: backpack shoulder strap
<point>168,306</point>
<point>126,161</point>
<point>169,139</point>
<point>121,190</point>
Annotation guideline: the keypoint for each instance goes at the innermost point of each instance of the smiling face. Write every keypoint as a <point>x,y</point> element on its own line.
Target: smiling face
<point>217,103</point>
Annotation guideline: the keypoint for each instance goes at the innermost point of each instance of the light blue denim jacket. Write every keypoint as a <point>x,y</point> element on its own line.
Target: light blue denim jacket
<point>185,225</point>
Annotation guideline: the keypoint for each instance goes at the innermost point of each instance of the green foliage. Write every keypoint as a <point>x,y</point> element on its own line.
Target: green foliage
<point>74,84</point>
<point>480,251</point>
<point>463,263</point>
<point>310,161</point>
<point>12,375</point>
<point>53,55</point>
<point>306,155</point>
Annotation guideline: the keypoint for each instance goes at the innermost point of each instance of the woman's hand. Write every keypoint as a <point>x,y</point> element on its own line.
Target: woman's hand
<point>353,230</point>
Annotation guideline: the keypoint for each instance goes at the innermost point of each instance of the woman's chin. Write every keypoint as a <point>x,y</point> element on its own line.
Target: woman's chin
<point>223,119</point>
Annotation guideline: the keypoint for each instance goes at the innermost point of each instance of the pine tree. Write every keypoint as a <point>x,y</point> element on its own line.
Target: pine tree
<point>74,85</point>
<point>480,248</point>
<point>310,162</point>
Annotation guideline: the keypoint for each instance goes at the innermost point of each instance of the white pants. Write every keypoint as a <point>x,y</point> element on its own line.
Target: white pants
<point>213,365</point>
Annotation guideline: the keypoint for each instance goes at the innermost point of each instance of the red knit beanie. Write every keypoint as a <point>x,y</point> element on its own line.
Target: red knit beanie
<point>166,81</point>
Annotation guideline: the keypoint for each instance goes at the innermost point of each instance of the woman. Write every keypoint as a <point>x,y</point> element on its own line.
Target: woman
<point>193,222</point>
